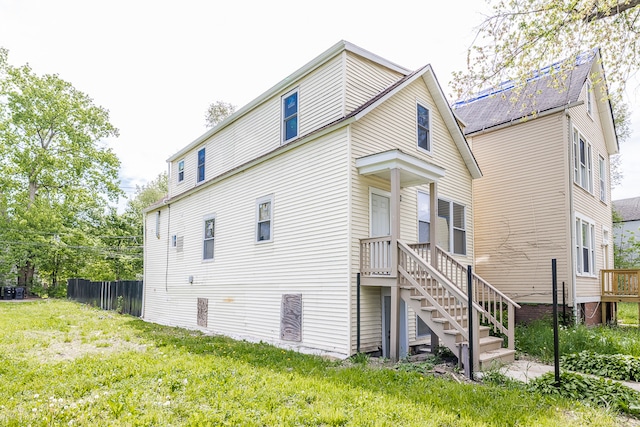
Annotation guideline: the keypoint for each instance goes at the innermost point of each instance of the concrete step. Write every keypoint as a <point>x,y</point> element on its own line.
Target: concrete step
<point>496,358</point>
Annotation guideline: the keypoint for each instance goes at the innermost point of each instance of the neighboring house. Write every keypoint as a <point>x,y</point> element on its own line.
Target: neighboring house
<point>626,232</point>
<point>545,192</point>
<point>273,215</point>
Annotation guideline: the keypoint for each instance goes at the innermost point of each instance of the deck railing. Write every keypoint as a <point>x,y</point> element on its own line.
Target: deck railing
<point>375,256</point>
<point>620,283</point>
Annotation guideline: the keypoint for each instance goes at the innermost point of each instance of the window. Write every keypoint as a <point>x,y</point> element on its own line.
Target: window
<point>589,97</point>
<point>290,116</point>
<point>424,217</point>
<point>422,330</point>
<point>264,219</point>
<point>201,158</point>
<point>181,171</point>
<point>424,137</point>
<point>585,247</point>
<point>582,171</point>
<point>451,227</point>
<point>174,241</point>
<point>603,178</point>
<point>158,224</point>
<point>209,238</point>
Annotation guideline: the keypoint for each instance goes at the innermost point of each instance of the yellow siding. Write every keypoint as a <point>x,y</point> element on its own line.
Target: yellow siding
<point>245,281</point>
<point>365,79</point>
<point>589,205</point>
<point>522,206</point>
<point>389,126</point>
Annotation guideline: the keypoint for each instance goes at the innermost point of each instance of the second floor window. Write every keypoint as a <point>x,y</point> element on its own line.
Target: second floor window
<point>290,116</point>
<point>582,169</point>
<point>603,179</point>
<point>264,225</point>
<point>424,135</point>
<point>209,238</point>
<point>181,171</point>
<point>201,159</point>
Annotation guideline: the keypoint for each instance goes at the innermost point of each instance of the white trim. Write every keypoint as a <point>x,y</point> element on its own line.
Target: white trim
<point>602,178</point>
<point>413,171</point>
<point>592,298</point>
<point>283,130</point>
<point>178,179</point>
<point>204,222</point>
<point>591,226</point>
<point>268,198</point>
<point>589,97</point>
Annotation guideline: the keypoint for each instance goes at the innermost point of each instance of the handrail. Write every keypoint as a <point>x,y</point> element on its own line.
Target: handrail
<point>375,256</point>
<point>620,282</point>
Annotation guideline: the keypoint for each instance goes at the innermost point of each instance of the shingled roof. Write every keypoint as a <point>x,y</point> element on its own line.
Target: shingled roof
<point>629,209</point>
<point>494,107</point>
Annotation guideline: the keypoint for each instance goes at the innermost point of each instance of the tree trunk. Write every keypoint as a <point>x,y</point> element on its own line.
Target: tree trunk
<point>26,274</point>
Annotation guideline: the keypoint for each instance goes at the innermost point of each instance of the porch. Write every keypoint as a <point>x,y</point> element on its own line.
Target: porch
<point>435,286</point>
<point>619,286</point>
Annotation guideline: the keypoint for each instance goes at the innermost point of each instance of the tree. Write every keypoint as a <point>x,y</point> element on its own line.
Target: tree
<point>56,174</point>
<point>217,112</point>
<point>522,36</point>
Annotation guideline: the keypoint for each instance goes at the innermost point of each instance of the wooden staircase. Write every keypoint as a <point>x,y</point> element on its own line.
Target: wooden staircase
<point>438,295</point>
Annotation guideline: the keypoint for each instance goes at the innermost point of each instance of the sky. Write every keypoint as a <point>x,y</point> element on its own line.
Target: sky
<point>157,65</point>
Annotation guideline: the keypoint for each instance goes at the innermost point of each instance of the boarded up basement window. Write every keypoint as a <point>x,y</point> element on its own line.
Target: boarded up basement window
<point>291,317</point>
<point>203,311</point>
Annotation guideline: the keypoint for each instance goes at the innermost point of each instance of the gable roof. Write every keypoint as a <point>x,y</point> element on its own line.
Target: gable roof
<point>426,73</point>
<point>629,209</point>
<point>545,93</point>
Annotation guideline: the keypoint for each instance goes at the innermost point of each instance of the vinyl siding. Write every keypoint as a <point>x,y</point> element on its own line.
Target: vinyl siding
<point>320,101</point>
<point>393,125</point>
<point>522,206</point>
<point>365,79</point>
<point>589,205</point>
<point>246,280</point>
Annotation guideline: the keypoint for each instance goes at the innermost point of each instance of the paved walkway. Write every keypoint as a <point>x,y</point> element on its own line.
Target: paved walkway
<point>525,370</point>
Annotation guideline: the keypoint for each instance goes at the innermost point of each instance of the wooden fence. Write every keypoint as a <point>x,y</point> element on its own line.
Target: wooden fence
<point>125,296</point>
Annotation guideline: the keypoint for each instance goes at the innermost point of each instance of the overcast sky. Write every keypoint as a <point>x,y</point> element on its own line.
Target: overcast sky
<point>156,65</point>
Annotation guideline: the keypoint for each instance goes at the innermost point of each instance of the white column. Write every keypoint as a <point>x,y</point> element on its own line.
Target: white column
<point>433,220</point>
<point>394,341</point>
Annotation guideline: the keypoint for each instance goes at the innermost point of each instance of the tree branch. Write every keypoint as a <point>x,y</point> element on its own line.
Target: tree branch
<point>619,8</point>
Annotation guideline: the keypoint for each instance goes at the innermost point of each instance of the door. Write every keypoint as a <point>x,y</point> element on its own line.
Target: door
<point>380,253</point>
<point>386,328</point>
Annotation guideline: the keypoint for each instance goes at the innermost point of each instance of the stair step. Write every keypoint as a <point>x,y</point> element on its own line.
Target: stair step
<point>496,357</point>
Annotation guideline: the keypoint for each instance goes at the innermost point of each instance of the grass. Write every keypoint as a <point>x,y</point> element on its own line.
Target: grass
<point>628,313</point>
<point>536,339</point>
<point>67,364</point>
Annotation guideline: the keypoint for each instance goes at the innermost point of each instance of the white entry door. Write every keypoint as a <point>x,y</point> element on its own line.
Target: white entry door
<point>380,209</point>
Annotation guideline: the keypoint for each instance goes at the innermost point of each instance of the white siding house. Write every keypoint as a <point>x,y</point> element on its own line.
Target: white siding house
<point>273,215</point>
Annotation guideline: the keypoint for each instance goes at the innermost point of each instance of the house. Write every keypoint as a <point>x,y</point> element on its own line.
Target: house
<point>626,231</point>
<point>544,151</point>
<point>303,219</point>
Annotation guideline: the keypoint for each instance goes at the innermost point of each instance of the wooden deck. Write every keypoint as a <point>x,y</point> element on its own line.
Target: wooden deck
<point>619,286</point>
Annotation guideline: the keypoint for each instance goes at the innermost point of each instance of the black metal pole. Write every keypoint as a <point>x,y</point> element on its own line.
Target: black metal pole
<point>358,313</point>
<point>564,306</point>
<point>556,345</point>
<point>470,319</point>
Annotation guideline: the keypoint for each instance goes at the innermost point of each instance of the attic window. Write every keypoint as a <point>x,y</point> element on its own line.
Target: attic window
<point>290,115</point>
<point>589,97</point>
<point>424,134</point>
<point>181,171</point>
<point>201,159</point>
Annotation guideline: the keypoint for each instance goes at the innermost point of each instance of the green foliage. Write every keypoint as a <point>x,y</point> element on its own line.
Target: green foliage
<point>57,175</point>
<point>628,313</point>
<point>536,339</point>
<point>360,358</point>
<point>626,247</point>
<point>614,366</point>
<point>69,364</point>
<point>217,112</point>
<point>592,390</point>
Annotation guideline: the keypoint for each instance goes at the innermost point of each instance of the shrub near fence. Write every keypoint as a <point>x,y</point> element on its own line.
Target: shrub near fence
<point>124,295</point>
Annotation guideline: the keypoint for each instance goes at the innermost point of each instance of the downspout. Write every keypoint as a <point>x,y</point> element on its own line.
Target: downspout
<point>144,262</point>
<point>166,265</point>
<point>572,228</point>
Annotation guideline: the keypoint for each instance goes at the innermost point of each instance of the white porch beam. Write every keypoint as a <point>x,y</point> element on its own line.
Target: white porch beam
<point>394,341</point>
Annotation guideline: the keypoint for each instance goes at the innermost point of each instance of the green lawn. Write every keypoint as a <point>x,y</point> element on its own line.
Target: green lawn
<point>62,363</point>
<point>628,313</point>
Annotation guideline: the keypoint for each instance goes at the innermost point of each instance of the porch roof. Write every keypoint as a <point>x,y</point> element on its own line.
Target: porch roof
<point>413,171</point>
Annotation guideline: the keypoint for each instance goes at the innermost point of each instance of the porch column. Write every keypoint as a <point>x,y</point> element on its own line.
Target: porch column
<point>394,341</point>
<point>433,220</point>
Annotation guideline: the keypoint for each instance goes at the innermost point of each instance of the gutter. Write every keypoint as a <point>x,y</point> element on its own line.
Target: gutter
<point>572,228</point>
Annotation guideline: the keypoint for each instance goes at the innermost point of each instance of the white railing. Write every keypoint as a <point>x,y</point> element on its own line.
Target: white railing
<point>375,256</point>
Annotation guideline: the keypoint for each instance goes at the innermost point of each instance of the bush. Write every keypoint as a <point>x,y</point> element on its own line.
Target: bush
<point>615,366</point>
<point>591,390</point>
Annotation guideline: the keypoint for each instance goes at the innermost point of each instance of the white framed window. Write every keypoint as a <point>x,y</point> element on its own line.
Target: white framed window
<point>605,236</point>
<point>174,241</point>
<point>264,219</point>
<point>602,166</point>
<point>423,127</point>
<point>582,169</point>
<point>589,97</point>
<point>585,246</point>
<point>201,162</point>
<point>209,237</point>
<point>181,171</point>
<point>451,227</point>
<point>424,217</point>
<point>290,115</point>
